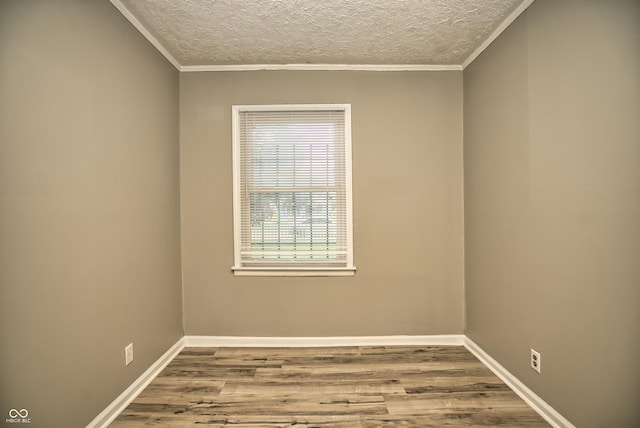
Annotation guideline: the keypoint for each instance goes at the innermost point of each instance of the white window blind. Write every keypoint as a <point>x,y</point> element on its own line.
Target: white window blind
<point>292,188</point>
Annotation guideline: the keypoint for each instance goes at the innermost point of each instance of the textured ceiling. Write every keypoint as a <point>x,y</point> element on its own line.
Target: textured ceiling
<point>240,32</point>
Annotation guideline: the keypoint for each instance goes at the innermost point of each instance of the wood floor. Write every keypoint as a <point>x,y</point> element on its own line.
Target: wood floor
<point>350,387</point>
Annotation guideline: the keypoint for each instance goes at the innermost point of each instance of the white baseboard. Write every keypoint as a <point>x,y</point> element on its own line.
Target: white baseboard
<point>538,404</point>
<point>307,342</point>
<point>119,404</point>
<point>531,398</point>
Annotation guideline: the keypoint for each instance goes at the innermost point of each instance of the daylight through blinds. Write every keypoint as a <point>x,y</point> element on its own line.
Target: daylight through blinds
<point>293,188</point>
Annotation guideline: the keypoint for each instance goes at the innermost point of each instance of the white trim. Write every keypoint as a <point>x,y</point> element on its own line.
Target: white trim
<point>531,398</point>
<point>275,271</point>
<point>322,67</point>
<point>349,178</point>
<point>143,30</point>
<point>313,342</point>
<point>503,26</point>
<point>236,171</point>
<point>290,107</point>
<point>348,269</point>
<point>108,415</point>
<point>112,411</point>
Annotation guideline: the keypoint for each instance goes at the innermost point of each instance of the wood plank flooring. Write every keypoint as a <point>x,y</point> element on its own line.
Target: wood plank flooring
<point>350,387</point>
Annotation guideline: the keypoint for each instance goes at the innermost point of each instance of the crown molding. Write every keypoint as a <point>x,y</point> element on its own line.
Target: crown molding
<point>322,67</point>
<point>503,26</point>
<point>143,30</point>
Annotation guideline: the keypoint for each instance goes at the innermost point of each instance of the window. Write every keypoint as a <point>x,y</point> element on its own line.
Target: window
<point>292,190</point>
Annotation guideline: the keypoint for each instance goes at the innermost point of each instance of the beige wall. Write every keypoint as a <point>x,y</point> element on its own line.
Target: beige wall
<point>407,181</point>
<point>552,205</point>
<point>89,215</point>
<point>89,208</point>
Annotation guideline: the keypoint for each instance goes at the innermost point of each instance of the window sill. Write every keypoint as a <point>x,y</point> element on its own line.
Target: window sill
<point>261,271</point>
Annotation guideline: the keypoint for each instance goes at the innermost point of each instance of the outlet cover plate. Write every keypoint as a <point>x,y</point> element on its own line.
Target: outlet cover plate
<point>128,354</point>
<point>536,361</point>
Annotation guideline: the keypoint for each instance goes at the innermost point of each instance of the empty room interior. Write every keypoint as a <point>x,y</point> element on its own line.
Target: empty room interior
<point>493,204</point>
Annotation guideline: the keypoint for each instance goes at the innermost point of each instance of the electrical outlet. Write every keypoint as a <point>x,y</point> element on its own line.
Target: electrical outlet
<point>536,361</point>
<point>128,354</point>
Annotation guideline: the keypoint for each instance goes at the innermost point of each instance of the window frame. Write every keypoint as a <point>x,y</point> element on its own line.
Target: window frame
<point>238,268</point>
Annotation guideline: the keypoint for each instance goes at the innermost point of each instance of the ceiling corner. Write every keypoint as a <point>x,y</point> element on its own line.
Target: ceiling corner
<point>503,26</point>
<point>143,30</point>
